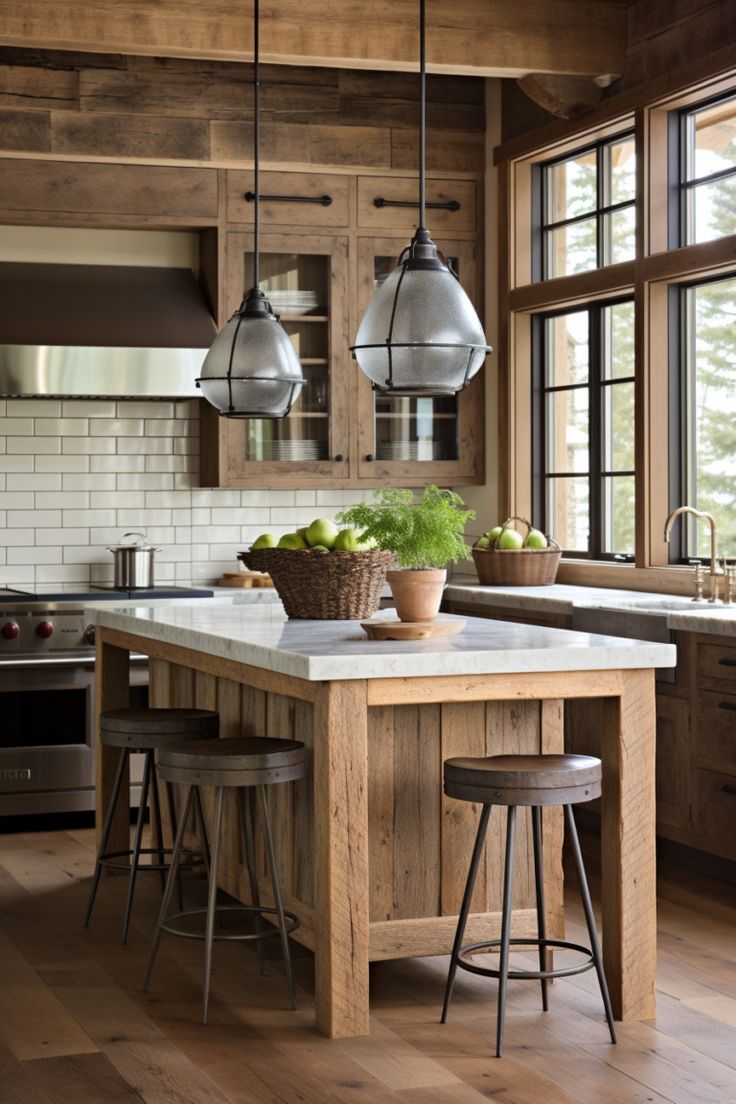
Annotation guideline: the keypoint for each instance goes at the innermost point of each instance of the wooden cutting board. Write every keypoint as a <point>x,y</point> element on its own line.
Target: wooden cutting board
<point>410,630</point>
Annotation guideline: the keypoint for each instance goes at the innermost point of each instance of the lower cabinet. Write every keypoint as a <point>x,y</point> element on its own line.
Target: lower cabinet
<point>696,737</point>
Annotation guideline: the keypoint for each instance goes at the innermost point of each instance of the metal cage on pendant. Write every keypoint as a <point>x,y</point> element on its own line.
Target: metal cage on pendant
<point>421,334</point>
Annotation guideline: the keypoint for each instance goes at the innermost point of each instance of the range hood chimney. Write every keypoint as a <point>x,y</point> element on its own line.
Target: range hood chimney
<point>101,330</point>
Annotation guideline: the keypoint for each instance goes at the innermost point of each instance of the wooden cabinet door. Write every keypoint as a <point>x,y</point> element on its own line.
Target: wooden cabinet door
<point>305,277</point>
<point>414,441</point>
<point>673,763</point>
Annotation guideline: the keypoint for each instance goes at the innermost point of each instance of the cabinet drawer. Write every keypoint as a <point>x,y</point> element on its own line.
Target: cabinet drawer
<point>717,667</point>
<point>716,731</point>
<point>715,805</point>
<point>406,190</point>
<point>283,211</point>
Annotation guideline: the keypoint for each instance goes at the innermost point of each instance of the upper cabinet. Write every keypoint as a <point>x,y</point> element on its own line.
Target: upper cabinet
<point>340,432</point>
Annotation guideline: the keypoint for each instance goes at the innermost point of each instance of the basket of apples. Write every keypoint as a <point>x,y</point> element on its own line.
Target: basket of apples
<point>322,573</point>
<point>505,557</point>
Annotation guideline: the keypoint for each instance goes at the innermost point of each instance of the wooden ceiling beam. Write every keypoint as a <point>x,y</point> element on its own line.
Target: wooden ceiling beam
<point>506,38</point>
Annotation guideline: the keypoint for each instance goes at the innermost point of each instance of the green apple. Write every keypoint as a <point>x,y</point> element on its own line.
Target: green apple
<point>266,540</point>
<point>535,539</point>
<point>322,531</point>
<point>292,541</point>
<point>510,539</point>
<point>493,534</point>
<point>318,548</point>
<point>483,542</point>
<point>347,540</point>
<point>303,533</point>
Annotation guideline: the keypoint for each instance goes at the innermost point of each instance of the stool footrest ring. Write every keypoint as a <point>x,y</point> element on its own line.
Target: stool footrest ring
<point>256,910</point>
<point>526,975</point>
<point>195,858</point>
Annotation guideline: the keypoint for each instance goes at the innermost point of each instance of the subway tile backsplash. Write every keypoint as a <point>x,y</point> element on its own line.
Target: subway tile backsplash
<point>75,475</point>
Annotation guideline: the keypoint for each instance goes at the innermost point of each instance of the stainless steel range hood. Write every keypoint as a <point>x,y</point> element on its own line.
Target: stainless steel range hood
<point>101,330</point>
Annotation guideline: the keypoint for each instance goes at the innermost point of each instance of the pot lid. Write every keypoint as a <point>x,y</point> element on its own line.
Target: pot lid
<point>138,543</point>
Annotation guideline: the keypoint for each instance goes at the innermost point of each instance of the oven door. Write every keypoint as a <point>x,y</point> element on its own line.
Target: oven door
<point>47,734</point>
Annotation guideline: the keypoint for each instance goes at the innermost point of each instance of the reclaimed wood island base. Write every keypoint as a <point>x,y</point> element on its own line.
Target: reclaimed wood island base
<point>373,855</point>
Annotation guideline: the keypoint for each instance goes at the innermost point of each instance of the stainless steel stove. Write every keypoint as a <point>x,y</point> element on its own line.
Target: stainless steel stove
<point>47,684</point>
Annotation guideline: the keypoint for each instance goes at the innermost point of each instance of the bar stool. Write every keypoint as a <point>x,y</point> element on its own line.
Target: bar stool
<point>536,781</point>
<point>144,730</point>
<point>248,763</point>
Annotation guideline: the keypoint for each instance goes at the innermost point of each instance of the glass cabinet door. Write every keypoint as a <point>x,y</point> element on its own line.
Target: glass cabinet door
<point>416,438</point>
<point>304,279</point>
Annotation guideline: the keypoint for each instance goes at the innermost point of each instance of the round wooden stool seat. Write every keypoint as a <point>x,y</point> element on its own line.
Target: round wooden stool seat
<point>233,761</point>
<point>524,779</point>
<point>146,729</point>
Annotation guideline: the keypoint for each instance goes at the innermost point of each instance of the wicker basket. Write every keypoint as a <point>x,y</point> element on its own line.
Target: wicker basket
<point>324,586</point>
<point>517,567</point>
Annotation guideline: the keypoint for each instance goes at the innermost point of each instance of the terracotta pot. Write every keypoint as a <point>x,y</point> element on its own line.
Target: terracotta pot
<point>417,593</point>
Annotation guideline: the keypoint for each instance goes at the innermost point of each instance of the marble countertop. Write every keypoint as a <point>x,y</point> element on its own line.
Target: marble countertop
<point>263,637</point>
<point>560,598</point>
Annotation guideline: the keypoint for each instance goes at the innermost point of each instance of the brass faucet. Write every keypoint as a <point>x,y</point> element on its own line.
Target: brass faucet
<point>714,573</point>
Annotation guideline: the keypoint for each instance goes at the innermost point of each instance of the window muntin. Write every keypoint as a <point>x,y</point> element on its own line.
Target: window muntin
<point>708,171</point>
<point>588,215</point>
<point>707,387</point>
<point>585,428</point>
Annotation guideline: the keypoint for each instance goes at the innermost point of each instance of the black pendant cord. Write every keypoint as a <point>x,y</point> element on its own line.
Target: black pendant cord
<point>256,144</point>
<point>422,112</point>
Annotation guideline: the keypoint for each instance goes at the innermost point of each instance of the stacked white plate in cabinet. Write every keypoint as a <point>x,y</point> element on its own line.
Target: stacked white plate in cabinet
<point>293,302</point>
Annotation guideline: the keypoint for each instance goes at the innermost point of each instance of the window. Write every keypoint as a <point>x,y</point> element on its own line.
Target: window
<point>707,396</point>
<point>583,428</point>
<point>708,171</point>
<point>587,208</point>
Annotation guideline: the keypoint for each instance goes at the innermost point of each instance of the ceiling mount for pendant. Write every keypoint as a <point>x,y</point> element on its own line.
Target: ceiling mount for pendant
<point>251,369</point>
<point>421,334</point>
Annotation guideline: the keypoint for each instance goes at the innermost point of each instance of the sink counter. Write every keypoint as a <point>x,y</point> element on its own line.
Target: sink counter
<point>373,855</point>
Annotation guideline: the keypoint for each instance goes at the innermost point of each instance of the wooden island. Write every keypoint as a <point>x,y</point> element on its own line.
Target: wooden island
<point>373,855</point>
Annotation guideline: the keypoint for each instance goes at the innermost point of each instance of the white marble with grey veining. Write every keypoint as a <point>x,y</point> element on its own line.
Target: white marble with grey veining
<point>263,637</point>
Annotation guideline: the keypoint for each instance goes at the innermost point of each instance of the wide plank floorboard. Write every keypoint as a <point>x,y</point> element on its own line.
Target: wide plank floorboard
<point>75,1026</point>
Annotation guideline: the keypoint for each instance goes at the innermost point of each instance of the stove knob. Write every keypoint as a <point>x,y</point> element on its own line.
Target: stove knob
<point>44,629</point>
<point>89,635</point>
<point>10,630</point>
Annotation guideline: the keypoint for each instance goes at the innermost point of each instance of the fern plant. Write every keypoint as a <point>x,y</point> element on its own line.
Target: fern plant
<point>420,534</point>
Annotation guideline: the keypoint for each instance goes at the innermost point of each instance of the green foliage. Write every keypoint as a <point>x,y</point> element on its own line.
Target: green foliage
<point>422,534</point>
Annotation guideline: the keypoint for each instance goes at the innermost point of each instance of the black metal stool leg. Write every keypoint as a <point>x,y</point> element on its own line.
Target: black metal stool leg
<point>539,884</point>
<point>170,883</point>
<point>212,900</point>
<point>107,825</point>
<point>135,857</point>
<point>174,829</point>
<point>199,819</point>
<point>159,828</point>
<point>465,907</point>
<point>249,853</point>
<point>503,967</point>
<point>261,797</point>
<point>590,918</point>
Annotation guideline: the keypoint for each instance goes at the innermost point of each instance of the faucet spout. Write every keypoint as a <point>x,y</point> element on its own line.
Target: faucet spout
<point>704,516</point>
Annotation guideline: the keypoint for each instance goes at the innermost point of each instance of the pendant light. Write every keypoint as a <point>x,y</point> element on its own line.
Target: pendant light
<point>421,334</point>
<point>251,369</point>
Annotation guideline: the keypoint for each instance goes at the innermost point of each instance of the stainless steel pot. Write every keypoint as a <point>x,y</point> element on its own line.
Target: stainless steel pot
<point>133,562</point>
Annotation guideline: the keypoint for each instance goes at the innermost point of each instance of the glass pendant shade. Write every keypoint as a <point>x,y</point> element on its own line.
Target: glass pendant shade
<point>251,369</point>
<point>421,334</point>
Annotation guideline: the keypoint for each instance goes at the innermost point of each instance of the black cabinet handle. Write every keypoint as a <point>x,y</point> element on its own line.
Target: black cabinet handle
<point>369,457</point>
<point>730,790</point>
<point>727,705</point>
<point>450,205</point>
<point>324,200</point>
<point>339,457</point>
<point>727,662</point>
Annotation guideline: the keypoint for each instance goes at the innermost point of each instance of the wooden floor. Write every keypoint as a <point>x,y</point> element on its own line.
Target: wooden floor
<point>76,1029</point>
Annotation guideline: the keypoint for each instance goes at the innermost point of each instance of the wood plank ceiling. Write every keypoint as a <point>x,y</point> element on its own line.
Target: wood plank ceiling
<point>489,38</point>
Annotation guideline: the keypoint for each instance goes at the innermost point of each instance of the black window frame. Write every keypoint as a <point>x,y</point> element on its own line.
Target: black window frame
<point>681,185</point>
<point>596,386</point>
<point>682,453</point>
<point>540,189</point>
